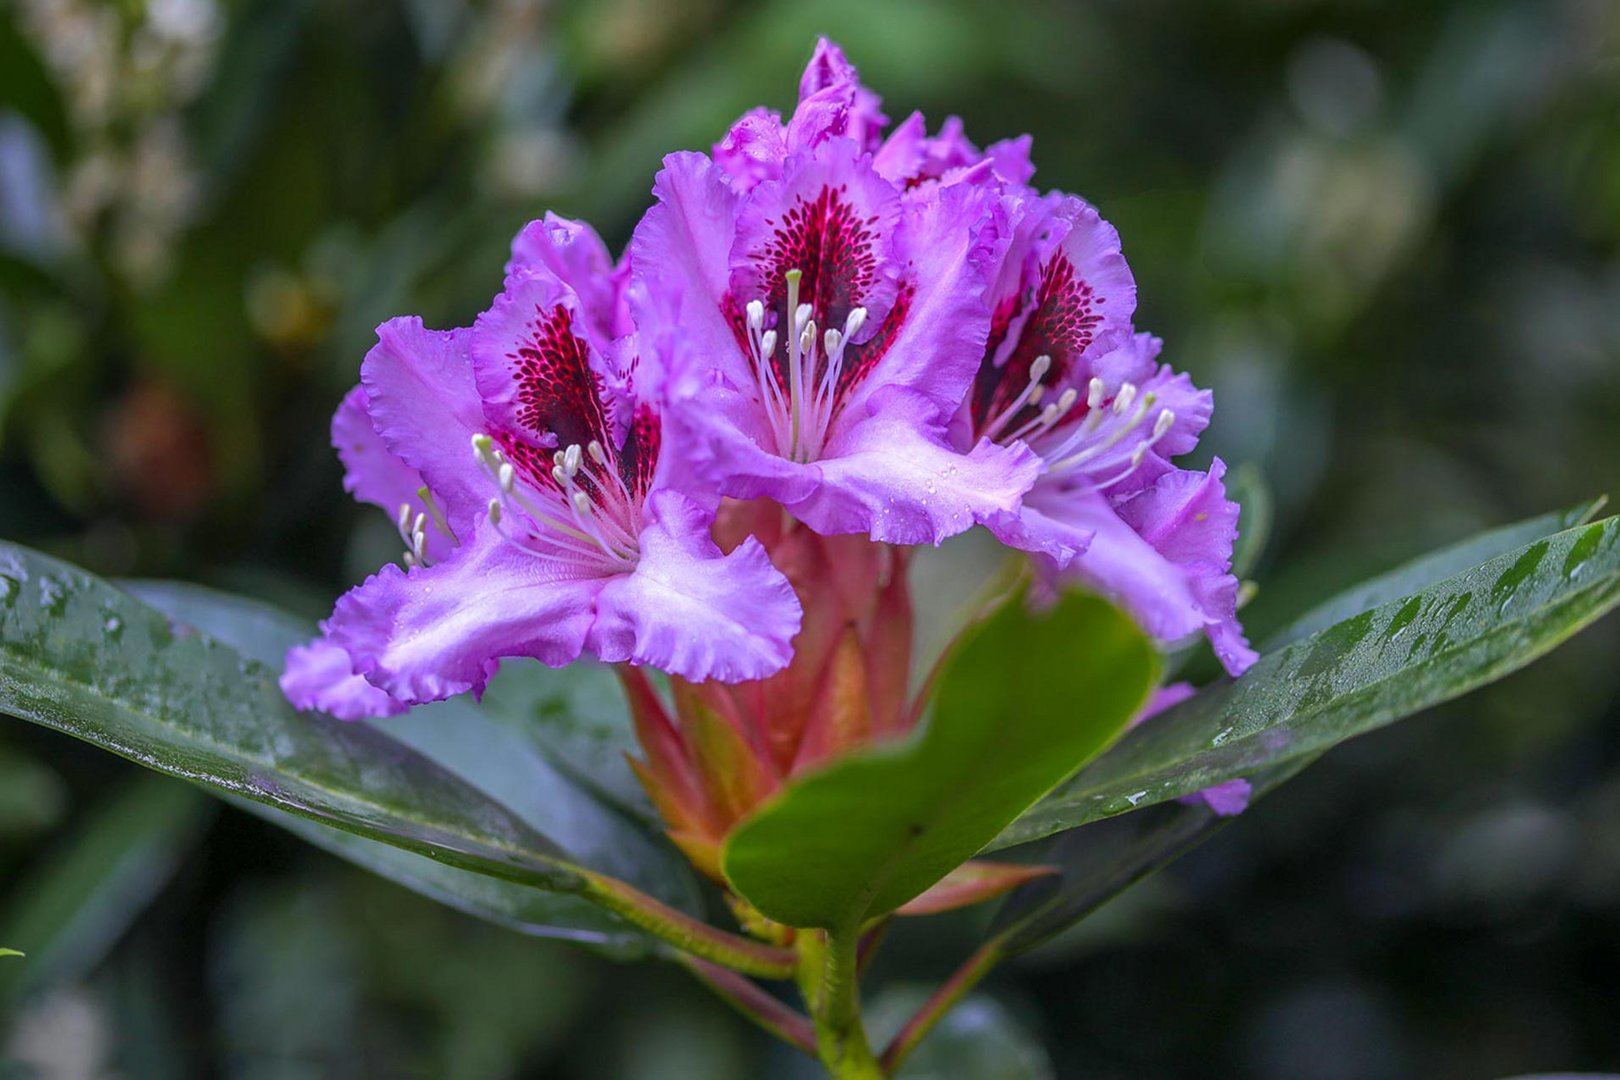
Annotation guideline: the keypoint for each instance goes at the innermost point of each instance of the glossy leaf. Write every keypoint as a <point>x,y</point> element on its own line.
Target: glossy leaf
<point>1024,702</point>
<point>1351,678</point>
<point>96,881</point>
<point>85,658</point>
<point>1097,862</point>
<point>499,759</point>
<point>577,717</point>
<point>1430,569</point>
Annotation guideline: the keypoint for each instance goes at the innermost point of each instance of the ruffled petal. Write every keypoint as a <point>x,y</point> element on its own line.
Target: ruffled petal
<point>721,445</point>
<point>1031,528</point>
<point>1135,360</point>
<point>832,218</point>
<point>949,242</point>
<point>833,103</point>
<point>1124,567</point>
<point>320,675</point>
<point>374,474</point>
<point>680,255</point>
<point>1164,555</point>
<point>435,632</point>
<point>753,149</point>
<point>571,252</point>
<point>540,377</point>
<point>889,479</point>
<point>425,407</point>
<point>689,610</point>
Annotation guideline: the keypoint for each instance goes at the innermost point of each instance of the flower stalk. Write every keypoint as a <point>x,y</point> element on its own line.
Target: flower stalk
<point>830,974</point>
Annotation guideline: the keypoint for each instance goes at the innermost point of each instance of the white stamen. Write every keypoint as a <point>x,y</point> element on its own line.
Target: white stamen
<point>1123,399</point>
<point>1164,423</point>
<point>439,521</point>
<point>1094,394</point>
<point>598,455</point>
<point>853,322</point>
<point>506,476</point>
<point>799,392</point>
<point>1039,367</point>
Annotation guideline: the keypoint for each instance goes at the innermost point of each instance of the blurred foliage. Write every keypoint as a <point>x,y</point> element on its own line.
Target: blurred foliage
<point>1388,235</point>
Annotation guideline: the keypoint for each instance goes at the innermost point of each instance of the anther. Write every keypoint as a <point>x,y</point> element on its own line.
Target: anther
<point>1126,395</point>
<point>1039,367</point>
<point>1163,424</point>
<point>1066,400</point>
<point>1094,394</point>
<point>756,315</point>
<point>594,449</point>
<point>853,322</point>
<point>830,341</point>
<point>582,502</point>
<point>767,344</point>
<point>495,511</point>
<point>506,476</point>
<point>571,459</point>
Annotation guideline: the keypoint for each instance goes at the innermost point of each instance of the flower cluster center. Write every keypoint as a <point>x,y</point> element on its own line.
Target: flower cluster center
<point>799,392</point>
<point>585,514</point>
<point>1105,431</point>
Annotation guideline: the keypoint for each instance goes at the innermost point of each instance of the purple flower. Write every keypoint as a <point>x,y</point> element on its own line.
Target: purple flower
<point>1064,375</point>
<point>830,322</point>
<point>525,460</point>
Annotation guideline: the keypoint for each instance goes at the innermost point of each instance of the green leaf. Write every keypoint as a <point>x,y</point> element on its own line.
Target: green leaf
<point>871,831</point>
<point>1354,677</point>
<point>1100,860</point>
<point>1429,569</point>
<point>501,760</point>
<point>93,884</point>
<point>578,718</point>
<point>87,659</point>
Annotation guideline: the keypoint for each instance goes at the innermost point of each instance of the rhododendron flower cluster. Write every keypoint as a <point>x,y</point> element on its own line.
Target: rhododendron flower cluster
<point>824,346</point>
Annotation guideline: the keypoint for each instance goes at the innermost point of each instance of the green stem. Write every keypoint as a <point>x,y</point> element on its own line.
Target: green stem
<point>835,1004</point>
<point>748,998</point>
<point>687,934</point>
<point>939,1003</point>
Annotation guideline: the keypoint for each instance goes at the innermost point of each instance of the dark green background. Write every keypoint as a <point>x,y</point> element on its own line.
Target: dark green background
<point>1388,235</point>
